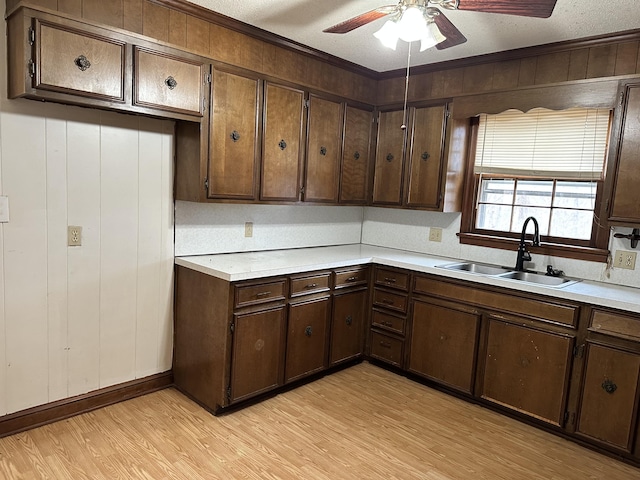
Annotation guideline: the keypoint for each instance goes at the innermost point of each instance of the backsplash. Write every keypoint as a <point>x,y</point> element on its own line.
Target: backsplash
<point>220,228</point>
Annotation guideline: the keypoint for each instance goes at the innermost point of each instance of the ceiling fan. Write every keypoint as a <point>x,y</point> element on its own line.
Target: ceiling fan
<point>446,35</point>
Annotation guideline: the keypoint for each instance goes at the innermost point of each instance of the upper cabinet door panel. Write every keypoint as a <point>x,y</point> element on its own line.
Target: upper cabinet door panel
<point>168,82</point>
<point>324,140</point>
<point>79,63</point>
<point>282,144</point>
<point>387,183</point>
<point>233,146</point>
<point>355,156</point>
<point>426,157</point>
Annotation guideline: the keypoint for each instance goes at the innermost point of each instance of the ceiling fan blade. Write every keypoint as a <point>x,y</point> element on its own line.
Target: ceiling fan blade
<point>448,29</point>
<point>524,8</point>
<point>361,20</point>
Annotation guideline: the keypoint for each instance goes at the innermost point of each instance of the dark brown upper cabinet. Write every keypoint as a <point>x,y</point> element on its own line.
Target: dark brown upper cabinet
<point>389,164</point>
<point>355,170</point>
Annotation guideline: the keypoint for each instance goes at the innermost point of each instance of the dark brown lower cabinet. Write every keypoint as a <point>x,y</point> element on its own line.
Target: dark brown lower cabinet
<point>527,369</point>
<point>347,326</point>
<point>609,404</point>
<point>257,360</point>
<point>307,338</point>
<point>444,345</point>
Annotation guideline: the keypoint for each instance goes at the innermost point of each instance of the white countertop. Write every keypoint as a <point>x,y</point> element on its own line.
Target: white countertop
<point>245,266</point>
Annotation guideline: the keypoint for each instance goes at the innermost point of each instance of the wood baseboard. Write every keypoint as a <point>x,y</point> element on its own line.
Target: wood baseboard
<point>68,407</point>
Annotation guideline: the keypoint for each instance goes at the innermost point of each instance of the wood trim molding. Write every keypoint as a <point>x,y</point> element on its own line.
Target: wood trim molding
<point>68,407</point>
<point>255,32</point>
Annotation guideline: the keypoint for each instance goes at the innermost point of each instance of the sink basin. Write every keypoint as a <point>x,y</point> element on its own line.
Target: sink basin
<point>538,279</point>
<point>478,268</point>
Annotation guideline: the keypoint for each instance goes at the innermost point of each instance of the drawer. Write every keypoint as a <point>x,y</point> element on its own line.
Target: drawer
<point>392,279</point>
<point>351,277</point>
<point>386,348</point>
<point>305,285</point>
<point>618,325</point>
<point>254,294</point>
<point>390,300</point>
<point>388,322</point>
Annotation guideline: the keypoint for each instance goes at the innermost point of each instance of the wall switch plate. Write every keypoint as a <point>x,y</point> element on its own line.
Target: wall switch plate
<point>435,234</point>
<point>4,209</point>
<point>248,229</point>
<point>74,236</point>
<point>624,259</point>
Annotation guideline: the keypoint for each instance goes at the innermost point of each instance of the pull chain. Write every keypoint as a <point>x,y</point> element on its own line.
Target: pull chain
<point>406,92</point>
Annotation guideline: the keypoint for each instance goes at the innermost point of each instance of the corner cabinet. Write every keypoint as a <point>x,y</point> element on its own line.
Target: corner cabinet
<point>74,62</point>
<point>355,170</point>
<point>411,165</point>
<point>623,174</point>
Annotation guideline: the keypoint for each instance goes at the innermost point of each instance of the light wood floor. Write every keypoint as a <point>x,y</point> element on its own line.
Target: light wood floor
<point>360,423</point>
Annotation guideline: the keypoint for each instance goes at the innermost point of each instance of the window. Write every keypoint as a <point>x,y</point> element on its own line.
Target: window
<point>546,164</point>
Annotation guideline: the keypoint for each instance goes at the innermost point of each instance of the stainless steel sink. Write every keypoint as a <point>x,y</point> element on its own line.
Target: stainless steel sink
<point>538,279</point>
<point>478,268</point>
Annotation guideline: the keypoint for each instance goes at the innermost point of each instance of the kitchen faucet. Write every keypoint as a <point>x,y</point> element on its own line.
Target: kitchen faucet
<point>523,253</point>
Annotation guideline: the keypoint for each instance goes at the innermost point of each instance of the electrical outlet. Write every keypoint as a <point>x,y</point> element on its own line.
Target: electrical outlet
<point>248,229</point>
<point>74,236</point>
<point>435,234</point>
<point>625,259</point>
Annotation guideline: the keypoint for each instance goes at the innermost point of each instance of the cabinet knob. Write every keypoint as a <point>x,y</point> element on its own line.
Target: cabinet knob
<point>356,155</point>
<point>171,82</point>
<point>282,144</point>
<point>389,157</point>
<point>608,386</point>
<point>349,320</point>
<point>235,136</point>
<point>82,63</point>
<point>323,151</point>
<point>425,155</point>
<point>308,331</point>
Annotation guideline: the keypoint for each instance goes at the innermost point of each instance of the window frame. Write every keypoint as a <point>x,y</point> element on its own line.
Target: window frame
<point>595,249</point>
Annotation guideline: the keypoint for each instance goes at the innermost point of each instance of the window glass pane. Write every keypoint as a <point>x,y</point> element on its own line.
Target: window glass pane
<point>575,195</point>
<point>494,217</point>
<point>534,193</point>
<point>571,223</point>
<point>520,214</point>
<point>497,190</point>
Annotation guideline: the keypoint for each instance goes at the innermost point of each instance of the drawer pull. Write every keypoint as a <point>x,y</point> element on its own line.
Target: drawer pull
<point>262,294</point>
<point>351,279</point>
<point>171,82</point>
<point>82,63</point>
<point>349,320</point>
<point>389,280</point>
<point>308,331</point>
<point>385,344</point>
<point>386,301</point>
<point>311,285</point>
<point>387,324</point>
<point>608,386</point>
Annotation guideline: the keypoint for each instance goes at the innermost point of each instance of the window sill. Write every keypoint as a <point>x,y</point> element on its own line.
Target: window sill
<point>589,254</point>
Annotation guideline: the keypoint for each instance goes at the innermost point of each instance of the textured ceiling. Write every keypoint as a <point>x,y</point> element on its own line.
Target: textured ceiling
<point>303,21</point>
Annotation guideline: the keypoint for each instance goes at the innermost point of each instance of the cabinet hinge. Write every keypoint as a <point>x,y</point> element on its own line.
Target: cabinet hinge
<point>207,78</point>
<point>621,99</point>
<point>301,190</point>
<point>578,351</point>
<point>32,36</point>
<point>606,205</point>
<point>206,184</point>
<point>31,66</point>
<point>232,327</point>
<point>229,393</point>
<point>569,418</point>
<point>306,104</point>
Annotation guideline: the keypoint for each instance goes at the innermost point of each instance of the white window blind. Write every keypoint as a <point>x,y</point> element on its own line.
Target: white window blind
<point>544,143</point>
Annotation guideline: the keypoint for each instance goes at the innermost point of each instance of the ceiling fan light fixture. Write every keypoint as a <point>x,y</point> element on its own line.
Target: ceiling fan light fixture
<point>432,37</point>
<point>388,34</point>
<point>412,24</point>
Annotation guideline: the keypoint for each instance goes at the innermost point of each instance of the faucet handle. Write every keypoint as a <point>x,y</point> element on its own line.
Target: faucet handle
<point>551,272</point>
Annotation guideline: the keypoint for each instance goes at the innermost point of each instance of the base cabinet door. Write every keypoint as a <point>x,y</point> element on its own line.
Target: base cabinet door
<point>444,345</point>
<point>347,325</point>
<point>527,370</point>
<point>307,338</point>
<point>608,407</point>
<point>258,353</point>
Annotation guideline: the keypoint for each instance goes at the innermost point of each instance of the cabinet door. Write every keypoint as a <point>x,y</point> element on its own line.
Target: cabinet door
<point>347,324</point>
<point>257,358</point>
<point>324,139</point>
<point>527,370</point>
<point>355,178</point>
<point>389,166</point>
<point>426,157</point>
<point>307,338</point>
<point>233,144</point>
<point>282,143</point>
<point>79,63</point>
<point>609,396</point>
<point>444,344</point>
<point>167,81</point>
<point>626,176</point>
